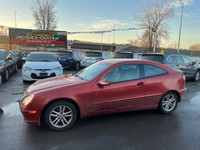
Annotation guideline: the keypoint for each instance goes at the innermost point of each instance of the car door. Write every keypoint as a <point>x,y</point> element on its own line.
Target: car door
<point>154,87</point>
<point>125,91</point>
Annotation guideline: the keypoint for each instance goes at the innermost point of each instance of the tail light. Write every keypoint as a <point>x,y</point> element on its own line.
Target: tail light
<point>17,58</point>
<point>99,59</point>
<point>71,58</point>
<point>183,77</point>
<point>82,58</point>
<point>165,64</point>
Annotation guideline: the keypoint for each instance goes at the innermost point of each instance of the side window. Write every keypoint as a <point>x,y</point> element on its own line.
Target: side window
<point>186,60</point>
<point>172,59</point>
<point>179,59</point>
<point>76,55</point>
<point>123,73</point>
<point>6,54</point>
<point>150,71</point>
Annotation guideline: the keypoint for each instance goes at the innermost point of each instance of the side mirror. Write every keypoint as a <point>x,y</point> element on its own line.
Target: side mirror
<point>9,58</point>
<point>103,82</point>
<point>193,63</point>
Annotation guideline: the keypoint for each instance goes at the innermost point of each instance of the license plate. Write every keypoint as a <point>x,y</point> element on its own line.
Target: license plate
<point>43,74</point>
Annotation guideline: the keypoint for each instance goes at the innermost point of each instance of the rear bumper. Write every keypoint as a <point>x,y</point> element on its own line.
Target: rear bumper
<point>182,93</point>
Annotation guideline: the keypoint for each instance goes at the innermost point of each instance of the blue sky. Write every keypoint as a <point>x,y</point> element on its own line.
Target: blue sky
<point>92,15</point>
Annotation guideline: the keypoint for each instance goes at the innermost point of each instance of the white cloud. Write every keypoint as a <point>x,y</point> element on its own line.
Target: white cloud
<point>104,24</point>
<point>177,3</point>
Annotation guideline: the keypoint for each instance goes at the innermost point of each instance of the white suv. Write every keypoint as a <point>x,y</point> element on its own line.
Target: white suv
<point>41,65</point>
<point>92,57</point>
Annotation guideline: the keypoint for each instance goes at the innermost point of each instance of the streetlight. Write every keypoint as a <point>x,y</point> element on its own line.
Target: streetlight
<point>15,19</point>
<point>182,4</point>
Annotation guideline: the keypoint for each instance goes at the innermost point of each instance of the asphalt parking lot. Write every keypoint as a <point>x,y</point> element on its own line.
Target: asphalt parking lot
<point>129,131</point>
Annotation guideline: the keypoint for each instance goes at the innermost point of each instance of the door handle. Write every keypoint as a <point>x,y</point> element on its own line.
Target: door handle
<point>140,84</point>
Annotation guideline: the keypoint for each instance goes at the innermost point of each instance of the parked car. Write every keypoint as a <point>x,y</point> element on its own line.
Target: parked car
<point>20,57</point>
<point>108,86</point>
<point>41,65</point>
<point>8,65</point>
<point>176,61</point>
<point>92,57</point>
<point>127,55</point>
<point>70,58</point>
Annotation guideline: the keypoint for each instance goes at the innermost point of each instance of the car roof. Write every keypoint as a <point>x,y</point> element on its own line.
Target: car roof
<point>2,50</point>
<point>42,53</point>
<point>114,61</point>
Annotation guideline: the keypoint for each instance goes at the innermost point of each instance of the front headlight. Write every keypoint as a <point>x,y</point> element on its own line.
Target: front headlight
<point>28,69</point>
<point>58,68</point>
<point>28,99</point>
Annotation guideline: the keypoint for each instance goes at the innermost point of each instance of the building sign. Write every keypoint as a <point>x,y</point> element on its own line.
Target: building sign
<point>36,37</point>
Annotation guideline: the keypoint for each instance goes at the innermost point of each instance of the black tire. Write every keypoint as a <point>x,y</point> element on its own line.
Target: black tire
<point>168,103</point>
<point>54,115</point>
<point>16,69</point>
<point>77,67</point>
<point>196,76</point>
<point>6,77</point>
<point>1,79</point>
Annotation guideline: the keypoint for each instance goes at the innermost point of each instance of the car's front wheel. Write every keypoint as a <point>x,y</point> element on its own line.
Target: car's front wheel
<point>1,79</point>
<point>77,67</point>
<point>60,115</point>
<point>6,75</point>
<point>196,76</point>
<point>168,103</point>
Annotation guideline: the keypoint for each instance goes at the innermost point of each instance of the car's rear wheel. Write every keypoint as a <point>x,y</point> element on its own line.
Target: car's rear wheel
<point>196,76</point>
<point>60,115</point>
<point>1,80</point>
<point>77,67</point>
<point>168,103</point>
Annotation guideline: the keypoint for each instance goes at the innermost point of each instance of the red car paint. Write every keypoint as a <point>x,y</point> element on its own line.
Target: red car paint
<point>93,99</point>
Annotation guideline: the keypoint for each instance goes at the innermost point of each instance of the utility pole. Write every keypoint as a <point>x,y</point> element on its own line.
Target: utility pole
<point>179,39</point>
<point>15,19</point>
<point>101,41</point>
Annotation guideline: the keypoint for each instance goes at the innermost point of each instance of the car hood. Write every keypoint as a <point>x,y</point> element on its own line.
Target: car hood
<point>42,65</point>
<point>55,82</point>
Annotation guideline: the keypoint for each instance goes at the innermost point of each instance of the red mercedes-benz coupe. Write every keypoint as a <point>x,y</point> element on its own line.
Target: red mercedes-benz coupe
<point>108,86</point>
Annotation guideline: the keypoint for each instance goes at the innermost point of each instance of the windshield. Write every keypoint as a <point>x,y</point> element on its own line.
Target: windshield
<point>1,55</point>
<point>64,54</point>
<point>92,71</point>
<point>123,55</point>
<point>93,54</point>
<point>16,53</point>
<point>157,58</point>
<point>42,57</point>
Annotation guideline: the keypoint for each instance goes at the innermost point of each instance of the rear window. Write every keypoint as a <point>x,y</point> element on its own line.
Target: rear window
<point>93,54</point>
<point>123,55</point>
<point>16,53</point>
<point>65,54</point>
<point>157,58</point>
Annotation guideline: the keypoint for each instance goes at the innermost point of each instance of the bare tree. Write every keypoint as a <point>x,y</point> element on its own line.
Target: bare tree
<point>195,47</point>
<point>44,14</point>
<point>154,14</point>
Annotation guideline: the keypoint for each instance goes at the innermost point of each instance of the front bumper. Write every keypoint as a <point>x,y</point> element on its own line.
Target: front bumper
<point>36,75</point>
<point>28,117</point>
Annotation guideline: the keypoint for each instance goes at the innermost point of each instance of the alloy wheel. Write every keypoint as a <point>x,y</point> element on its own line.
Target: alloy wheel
<point>169,102</point>
<point>197,76</point>
<point>60,116</point>
<point>77,66</point>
